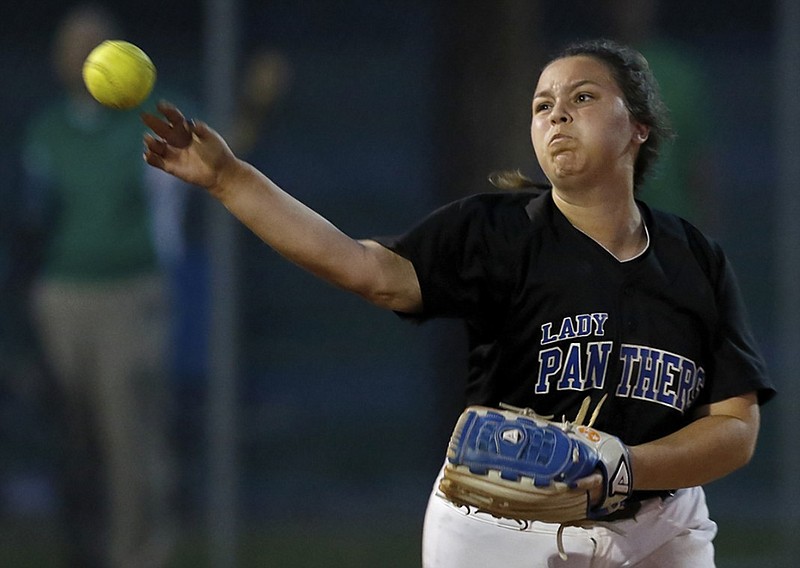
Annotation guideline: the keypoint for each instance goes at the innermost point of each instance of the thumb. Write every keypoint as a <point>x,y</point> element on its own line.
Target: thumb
<point>593,485</point>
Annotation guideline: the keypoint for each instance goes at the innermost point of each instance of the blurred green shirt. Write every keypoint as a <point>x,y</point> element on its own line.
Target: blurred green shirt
<point>85,176</point>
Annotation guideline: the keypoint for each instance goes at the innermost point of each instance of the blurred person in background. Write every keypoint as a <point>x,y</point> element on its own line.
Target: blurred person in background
<point>104,231</point>
<point>266,80</point>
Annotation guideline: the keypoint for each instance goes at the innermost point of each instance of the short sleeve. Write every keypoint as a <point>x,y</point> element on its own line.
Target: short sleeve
<point>738,365</point>
<point>460,256</point>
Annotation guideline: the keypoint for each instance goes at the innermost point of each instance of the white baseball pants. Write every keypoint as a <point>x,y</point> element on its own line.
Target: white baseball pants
<point>672,533</point>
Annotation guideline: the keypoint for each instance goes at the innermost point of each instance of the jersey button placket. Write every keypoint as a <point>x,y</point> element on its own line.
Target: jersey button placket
<point>628,294</point>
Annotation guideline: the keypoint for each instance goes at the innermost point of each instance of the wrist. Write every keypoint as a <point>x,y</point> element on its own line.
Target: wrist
<point>229,176</point>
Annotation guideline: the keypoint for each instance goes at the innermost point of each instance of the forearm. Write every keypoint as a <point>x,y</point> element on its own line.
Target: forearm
<point>707,449</point>
<point>197,154</point>
<point>289,227</point>
<point>307,239</point>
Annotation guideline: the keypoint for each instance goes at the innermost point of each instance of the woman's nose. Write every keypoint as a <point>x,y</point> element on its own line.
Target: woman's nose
<point>559,114</point>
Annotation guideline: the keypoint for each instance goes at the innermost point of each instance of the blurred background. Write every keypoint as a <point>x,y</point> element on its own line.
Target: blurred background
<point>306,426</point>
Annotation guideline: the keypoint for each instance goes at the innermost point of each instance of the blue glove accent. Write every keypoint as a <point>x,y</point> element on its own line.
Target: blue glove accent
<point>521,447</point>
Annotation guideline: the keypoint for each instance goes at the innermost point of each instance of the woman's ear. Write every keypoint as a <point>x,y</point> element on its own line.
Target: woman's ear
<point>640,133</point>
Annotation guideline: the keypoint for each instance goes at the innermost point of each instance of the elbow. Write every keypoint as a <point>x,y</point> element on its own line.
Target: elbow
<point>387,298</point>
<point>377,297</point>
<point>386,280</point>
<point>748,447</point>
<point>744,446</point>
<point>738,422</point>
<point>366,289</point>
<point>742,457</point>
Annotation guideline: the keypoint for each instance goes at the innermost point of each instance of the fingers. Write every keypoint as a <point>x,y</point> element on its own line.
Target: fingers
<point>154,160</point>
<point>170,112</point>
<point>154,151</point>
<point>175,130</point>
<point>156,124</point>
<point>155,145</point>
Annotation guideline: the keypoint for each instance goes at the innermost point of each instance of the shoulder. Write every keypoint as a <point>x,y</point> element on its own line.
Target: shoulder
<point>490,221</point>
<point>676,227</point>
<point>483,223</point>
<point>673,233</point>
<point>505,198</point>
<point>498,208</point>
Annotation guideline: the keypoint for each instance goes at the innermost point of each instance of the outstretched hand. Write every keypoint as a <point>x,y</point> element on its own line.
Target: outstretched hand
<point>189,150</point>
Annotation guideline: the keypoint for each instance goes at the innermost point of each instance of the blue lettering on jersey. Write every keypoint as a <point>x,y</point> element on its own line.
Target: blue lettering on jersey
<point>549,364</point>
<point>582,325</point>
<point>647,373</point>
<point>659,376</point>
<point>597,363</point>
<point>571,377</point>
<point>577,370</point>
<point>644,388</point>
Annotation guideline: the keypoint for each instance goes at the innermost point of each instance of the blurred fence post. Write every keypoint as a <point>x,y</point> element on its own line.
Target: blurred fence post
<point>787,258</point>
<point>221,43</point>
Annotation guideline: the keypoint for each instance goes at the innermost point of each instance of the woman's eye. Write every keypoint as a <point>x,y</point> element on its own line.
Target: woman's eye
<point>541,106</point>
<point>583,97</point>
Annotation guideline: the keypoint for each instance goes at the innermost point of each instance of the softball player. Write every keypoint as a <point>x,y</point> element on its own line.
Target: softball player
<point>576,290</point>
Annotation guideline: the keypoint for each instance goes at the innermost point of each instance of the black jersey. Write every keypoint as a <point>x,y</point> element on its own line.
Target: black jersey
<point>553,317</point>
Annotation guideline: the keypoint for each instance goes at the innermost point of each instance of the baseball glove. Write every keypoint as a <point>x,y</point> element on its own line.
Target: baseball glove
<point>513,463</point>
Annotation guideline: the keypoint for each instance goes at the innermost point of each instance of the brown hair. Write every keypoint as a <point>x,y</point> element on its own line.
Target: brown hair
<point>642,96</point>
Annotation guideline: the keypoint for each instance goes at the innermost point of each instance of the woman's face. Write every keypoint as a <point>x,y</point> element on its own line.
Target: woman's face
<point>581,128</point>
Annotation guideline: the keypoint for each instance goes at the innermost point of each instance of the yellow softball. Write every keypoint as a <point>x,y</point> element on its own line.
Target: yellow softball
<point>118,74</point>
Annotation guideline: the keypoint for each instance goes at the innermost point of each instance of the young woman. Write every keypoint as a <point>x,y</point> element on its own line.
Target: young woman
<point>576,290</point>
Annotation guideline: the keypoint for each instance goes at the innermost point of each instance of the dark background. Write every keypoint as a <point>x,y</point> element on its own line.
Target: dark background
<point>394,108</point>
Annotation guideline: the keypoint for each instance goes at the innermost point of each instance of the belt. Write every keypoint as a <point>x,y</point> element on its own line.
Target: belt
<point>634,503</point>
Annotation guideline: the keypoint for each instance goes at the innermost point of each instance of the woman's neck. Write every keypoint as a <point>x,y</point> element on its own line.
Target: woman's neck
<point>611,218</point>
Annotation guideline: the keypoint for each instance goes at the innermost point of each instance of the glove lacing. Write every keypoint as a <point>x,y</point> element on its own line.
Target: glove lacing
<point>568,426</point>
